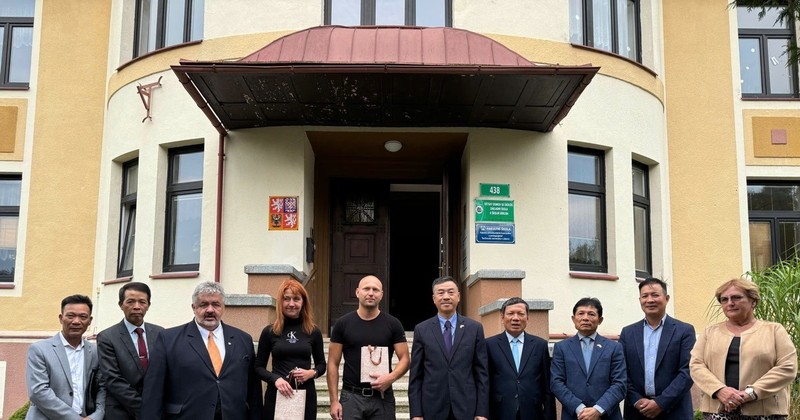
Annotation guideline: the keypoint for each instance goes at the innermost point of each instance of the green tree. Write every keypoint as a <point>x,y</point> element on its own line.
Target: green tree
<point>779,286</point>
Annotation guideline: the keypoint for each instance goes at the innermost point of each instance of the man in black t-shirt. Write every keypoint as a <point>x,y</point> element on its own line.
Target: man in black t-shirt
<point>366,337</point>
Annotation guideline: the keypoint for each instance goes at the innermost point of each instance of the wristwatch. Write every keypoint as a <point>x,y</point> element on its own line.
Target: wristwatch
<point>751,393</point>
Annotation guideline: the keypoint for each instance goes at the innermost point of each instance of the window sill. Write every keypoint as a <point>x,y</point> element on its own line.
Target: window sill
<point>117,280</point>
<point>6,286</point>
<point>615,55</point>
<point>158,51</point>
<point>763,98</point>
<point>176,275</point>
<point>592,276</point>
<point>22,88</point>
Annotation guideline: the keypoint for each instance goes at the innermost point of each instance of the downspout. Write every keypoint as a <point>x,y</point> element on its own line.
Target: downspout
<point>201,103</point>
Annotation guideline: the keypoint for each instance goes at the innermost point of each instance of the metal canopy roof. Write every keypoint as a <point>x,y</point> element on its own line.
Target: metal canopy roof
<point>385,77</point>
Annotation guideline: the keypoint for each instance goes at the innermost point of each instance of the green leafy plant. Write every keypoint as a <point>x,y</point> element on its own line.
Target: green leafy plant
<point>20,414</point>
<point>779,286</point>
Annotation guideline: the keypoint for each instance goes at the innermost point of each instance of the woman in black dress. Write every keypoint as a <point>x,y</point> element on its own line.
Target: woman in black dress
<point>291,341</point>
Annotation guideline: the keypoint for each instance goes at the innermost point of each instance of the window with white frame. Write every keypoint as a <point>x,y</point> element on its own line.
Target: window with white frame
<point>641,220</point>
<point>184,209</point>
<point>127,223</point>
<point>587,194</point>
<point>10,188</point>
<point>763,61</point>
<point>610,25</point>
<point>16,42</point>
<point>162,23</point>
<point>388,12</point>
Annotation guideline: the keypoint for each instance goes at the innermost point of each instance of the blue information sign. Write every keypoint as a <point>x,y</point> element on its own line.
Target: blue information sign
<point>494,233</point>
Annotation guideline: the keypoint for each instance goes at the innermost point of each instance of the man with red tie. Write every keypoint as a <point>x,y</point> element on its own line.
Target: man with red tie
<point>123,350</point>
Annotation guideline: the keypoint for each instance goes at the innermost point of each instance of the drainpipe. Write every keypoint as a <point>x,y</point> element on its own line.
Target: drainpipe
<point>201,103</point>
<point>218,233</point>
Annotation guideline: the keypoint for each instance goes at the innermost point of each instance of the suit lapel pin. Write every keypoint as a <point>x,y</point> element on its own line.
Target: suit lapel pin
<point>598,346</point>
<point>229,343</point>
<point>461,326</point>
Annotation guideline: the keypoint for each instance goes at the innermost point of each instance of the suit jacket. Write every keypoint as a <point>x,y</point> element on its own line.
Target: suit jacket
<point>526,391</point>
<point>604,384</point>
<point>123,374</point>
<point>672,380</point>
<point>49,385</point>
<point>181,383</point>
<point>439,382</point>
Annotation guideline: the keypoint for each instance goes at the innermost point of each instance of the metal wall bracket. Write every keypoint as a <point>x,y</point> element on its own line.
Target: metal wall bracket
<point>145,92</point>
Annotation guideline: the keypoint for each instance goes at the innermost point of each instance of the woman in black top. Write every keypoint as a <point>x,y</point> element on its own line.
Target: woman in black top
<point>292,340</point>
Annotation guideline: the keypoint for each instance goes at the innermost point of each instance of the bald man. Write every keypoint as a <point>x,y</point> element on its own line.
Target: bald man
<point>366,332</point>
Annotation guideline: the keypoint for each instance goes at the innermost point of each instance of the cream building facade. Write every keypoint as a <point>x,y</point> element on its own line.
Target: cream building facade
<point>143,142</point>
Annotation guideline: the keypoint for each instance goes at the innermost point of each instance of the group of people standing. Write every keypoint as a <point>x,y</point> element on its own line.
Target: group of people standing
<point>207,369</point>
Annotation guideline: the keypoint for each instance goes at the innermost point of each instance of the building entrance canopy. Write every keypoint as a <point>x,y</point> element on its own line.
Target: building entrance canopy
<point>381,76</point>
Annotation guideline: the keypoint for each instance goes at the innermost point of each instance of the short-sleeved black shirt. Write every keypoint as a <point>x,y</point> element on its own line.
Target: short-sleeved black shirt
<point>352,333</point>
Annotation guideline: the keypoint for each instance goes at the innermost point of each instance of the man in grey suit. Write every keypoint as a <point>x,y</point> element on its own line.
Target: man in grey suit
<point>124,353</point>
<point>61,372</point>
<point>449,377</point>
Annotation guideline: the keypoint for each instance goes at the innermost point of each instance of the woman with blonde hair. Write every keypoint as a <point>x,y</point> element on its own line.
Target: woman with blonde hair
<point>291,340</point>
<point>744,366</point>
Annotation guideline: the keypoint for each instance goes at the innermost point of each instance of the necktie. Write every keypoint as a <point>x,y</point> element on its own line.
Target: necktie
<point>142,347</point>
<point>587,351</point>
<point>448,337</point>
<point>515,351</point>
<point>213,352</point>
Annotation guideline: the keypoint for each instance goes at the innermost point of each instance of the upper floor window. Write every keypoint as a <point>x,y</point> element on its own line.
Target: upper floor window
<point>388,12</point>
<point>161,23</point>
<point>127,222</point>
<point>10,187</point>
<point>184,209</point>
<point>641,220</point>
<point>774,212</point>
<point>16,42</point>
<point>587,196</point>
<point>611,25</point>
<point>763,61</point>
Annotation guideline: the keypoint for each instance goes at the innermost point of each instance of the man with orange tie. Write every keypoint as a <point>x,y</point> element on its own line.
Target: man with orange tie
<point>204,369</point>
<point>124,355</point>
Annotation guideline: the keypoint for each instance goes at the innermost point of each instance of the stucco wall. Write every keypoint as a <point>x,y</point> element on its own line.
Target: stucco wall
<point>67,128</point>
<point>628,123</point>
<point>704,166</point>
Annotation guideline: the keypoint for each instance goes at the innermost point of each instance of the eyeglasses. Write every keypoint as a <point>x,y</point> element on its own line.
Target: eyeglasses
<point>735,299</point>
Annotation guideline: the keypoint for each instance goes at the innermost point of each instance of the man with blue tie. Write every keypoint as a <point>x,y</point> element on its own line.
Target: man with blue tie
<point>588,371</point>
<point>449,365</point>
<point>519,369</point>
<point>657,351</point>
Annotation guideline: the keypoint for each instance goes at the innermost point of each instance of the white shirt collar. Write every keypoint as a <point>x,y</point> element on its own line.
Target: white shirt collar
<point>204,332</point>
<point>511,338</point>
<point>67,344</point>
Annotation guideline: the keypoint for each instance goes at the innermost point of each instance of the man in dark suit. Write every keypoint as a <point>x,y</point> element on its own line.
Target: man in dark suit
<point>124,355</point>
<point>657,355</point>
<point>56,394</point>
<point>204,369</point>
<point>449,366</point>
<point>519,369</point>
<point>588,371</point>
